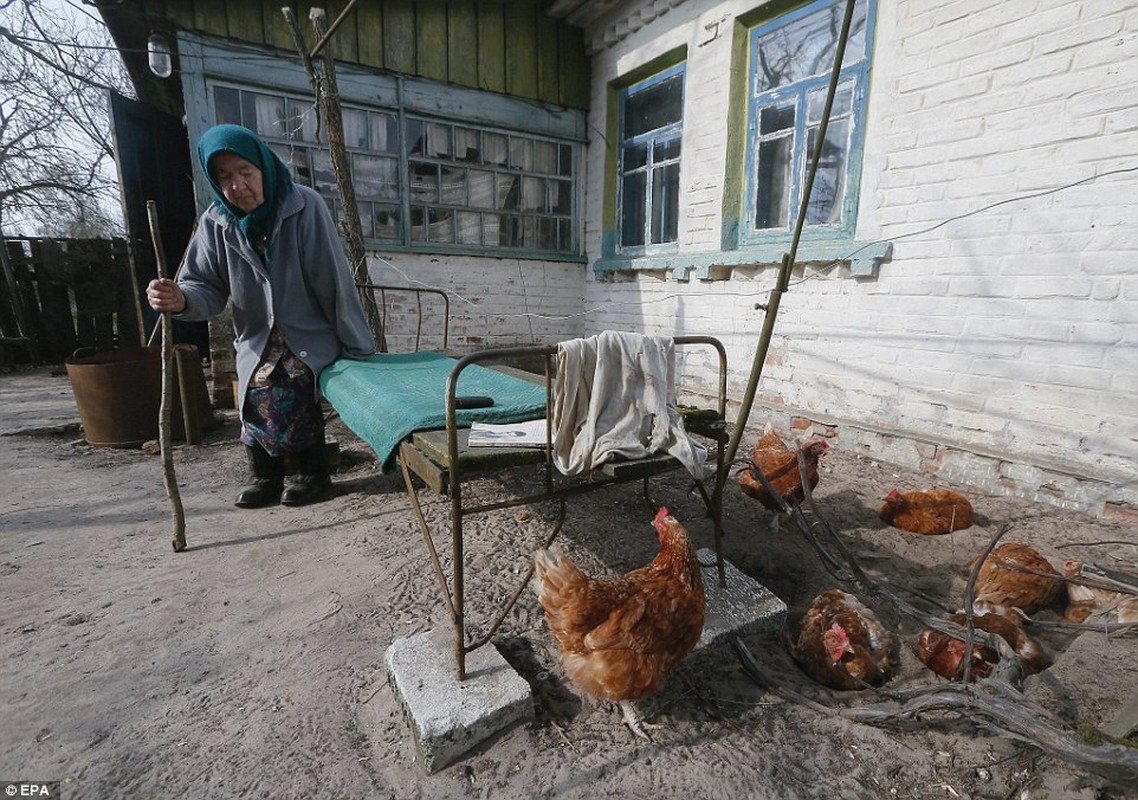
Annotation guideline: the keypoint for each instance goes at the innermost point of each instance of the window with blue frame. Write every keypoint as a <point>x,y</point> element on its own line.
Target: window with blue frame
<point>423,183</point>
<point>791,60</point>
<point>651,124</point>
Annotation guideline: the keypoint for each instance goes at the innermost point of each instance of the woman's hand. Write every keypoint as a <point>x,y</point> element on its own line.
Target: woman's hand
<point>164,295</point>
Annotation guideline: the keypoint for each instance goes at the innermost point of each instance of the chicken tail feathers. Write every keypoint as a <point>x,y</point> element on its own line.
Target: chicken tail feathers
<point>553,573</point>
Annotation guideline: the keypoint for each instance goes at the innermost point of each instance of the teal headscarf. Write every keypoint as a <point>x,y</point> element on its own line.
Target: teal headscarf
<point>257,226</point>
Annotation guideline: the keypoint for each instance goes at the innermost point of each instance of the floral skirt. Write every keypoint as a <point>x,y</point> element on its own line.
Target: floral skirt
<point>281,412</point>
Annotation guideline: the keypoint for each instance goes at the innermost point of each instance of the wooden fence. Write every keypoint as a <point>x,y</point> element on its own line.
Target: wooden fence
<point>60,295</point>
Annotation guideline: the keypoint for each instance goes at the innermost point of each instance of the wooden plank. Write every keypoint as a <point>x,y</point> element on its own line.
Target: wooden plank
<point>431,50</point>
<point>462,45</point>
<point>575,68</point>
<point>491,47</point>
<point>345,41</point>
<point>245,22</point>
<point>277,33</point>
<point>548,60</point>
<point>369,33</point>
<point>399,35</point>
<point>521,50</point>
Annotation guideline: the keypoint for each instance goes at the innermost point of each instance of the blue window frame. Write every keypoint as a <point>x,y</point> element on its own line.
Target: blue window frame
<point>791,59</point>
<point>651,126</point>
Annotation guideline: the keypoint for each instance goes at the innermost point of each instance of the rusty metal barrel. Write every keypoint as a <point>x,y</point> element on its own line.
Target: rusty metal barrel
<point>118,393</point>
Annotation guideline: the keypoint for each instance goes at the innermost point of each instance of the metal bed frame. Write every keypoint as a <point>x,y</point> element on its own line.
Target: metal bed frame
<point>442,459</point>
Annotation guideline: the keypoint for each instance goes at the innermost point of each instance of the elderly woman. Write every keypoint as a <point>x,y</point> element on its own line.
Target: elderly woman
<point>270,247</point>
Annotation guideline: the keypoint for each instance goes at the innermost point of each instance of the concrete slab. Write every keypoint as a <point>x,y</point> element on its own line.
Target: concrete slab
<point>448,717</point>
<point>742,606</point>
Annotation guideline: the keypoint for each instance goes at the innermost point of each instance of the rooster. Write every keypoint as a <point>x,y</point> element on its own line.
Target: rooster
<point>928,512</point>
<point>620,637</point>
<point>841,644</point>
<point>944,654</point>
<point>1015,575</point>
<point>779,465</point>
<point>1084,600</point>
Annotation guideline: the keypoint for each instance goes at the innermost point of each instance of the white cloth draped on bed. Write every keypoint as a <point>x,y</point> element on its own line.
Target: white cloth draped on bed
<point>615,395</point>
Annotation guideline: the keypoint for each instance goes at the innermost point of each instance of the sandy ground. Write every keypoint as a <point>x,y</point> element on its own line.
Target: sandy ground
<point>251,665</point>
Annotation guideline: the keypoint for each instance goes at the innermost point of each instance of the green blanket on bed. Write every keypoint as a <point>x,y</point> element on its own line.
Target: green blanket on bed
<point>390,395</point>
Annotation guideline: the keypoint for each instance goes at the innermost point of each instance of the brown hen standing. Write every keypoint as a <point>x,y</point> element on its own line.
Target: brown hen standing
<point>842,644</point>
<point>779,465</point>
<point>930,512</point>
<point>620,637</point>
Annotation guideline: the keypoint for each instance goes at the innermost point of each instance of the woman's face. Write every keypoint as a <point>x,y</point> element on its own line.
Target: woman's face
<point>240,181</point>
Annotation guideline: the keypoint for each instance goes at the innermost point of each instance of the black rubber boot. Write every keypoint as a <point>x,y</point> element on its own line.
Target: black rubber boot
<point>314,481</point>
<point>268,479</point>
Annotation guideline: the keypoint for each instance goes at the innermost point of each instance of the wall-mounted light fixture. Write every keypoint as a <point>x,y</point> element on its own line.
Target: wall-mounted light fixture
<point>158,53</point>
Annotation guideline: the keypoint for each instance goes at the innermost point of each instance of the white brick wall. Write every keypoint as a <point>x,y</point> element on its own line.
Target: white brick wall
<point>999,349</point>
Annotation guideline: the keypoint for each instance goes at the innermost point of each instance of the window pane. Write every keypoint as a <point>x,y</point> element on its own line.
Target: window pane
<point>655,106</point>
<point>632,209</point>
<point>816,104</point>
<point>415,133</point>
<point>264,113</point>
<point>560,196</point>
<point>635,156</point>
<point>466,147</point>
<point>566,161</point>
<point>521,153</point>
<point>469,228</point>
<point>386,222</point>
<point>301,123</point>
<point>772,120</point>
<point>375,177</point>
<point>496,148</point>
<point>227,105</point>
<point>323,178</point>
<point>772,194</point>
<point>424,183</point>
<point>384,133</point>
<point>355,128</point>
<point>296,159</point>
<point>364,210</point>
<point>665,203</point>
<point>669,149</point>
<point>825,206</point>
<point>453,186</point>
<point>806,47</point>
<point>533,194</point>
<point>481,188</point>
<point>545,157</point>
<point>438,141</point>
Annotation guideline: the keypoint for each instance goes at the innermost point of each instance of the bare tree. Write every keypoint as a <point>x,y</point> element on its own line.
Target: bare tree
<point>56,175</point>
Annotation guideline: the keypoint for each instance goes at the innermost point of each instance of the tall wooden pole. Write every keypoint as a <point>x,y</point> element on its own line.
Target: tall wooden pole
<point>322,76</point>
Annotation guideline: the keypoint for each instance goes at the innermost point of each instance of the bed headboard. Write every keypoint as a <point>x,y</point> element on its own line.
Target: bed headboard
<point>413,318</point>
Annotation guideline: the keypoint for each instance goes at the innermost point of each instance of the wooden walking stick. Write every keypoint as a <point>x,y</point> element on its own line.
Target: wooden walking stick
<point>165,408</point>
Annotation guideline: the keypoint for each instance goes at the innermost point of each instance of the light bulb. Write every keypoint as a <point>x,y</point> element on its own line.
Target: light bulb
<point>158,52</point>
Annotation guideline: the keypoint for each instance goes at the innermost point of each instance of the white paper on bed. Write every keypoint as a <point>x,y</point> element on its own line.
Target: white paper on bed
<point>615,394</point>
<point>511,434</point>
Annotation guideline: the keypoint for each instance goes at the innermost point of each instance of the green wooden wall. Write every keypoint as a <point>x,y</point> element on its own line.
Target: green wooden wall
<point>509,47</point>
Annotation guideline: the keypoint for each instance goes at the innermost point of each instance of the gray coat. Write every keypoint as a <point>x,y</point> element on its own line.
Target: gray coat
<point>306,288</point>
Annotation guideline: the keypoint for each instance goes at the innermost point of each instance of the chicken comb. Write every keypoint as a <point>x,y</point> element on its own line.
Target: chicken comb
<point>660,515</point>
